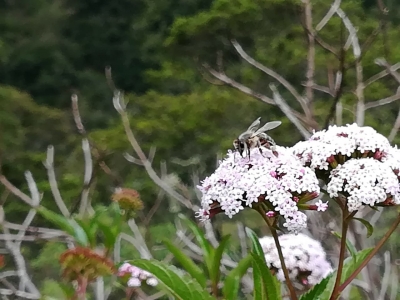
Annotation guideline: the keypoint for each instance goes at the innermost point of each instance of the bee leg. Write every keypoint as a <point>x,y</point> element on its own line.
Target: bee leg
<point>259,148</point>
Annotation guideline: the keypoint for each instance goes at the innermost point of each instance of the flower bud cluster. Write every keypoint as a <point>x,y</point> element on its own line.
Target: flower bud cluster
<point>304,258</point>
<point>280,181</point>
<point>136,275</point>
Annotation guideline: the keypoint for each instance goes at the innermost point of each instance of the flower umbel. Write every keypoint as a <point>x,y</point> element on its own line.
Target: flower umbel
<point>279,182</point>
<point>355,162</point>
<point>85,263</point>
<point>135,276</point>
<point>304,257</point>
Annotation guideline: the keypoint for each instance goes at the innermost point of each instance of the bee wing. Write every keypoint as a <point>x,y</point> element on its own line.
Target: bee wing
<point>254,125</point>
<point>268,126</point>
<point>245,135</point>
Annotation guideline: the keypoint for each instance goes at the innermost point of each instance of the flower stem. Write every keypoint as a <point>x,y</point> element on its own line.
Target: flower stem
<point>82,286</point>
<point>289,284</point>
<point>345,226</point>
<point>369,257</point>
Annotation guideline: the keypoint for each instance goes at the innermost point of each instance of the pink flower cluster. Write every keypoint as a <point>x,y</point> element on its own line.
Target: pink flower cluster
<point>278,180</point>
<point>304,258</point>
<point>137,275</point>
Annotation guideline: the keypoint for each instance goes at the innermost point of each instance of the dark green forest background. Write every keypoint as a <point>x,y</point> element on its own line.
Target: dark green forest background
<point>50,50</point>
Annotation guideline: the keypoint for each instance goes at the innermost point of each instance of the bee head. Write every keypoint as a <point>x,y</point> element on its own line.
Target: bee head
<point>239,146</point>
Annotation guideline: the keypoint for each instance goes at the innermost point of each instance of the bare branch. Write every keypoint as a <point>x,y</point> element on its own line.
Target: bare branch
<point>286,110</point>
<point>310,53</point>
<point>53,182</point>
<point>321,88</point>
<point>77,115</point>
<point>382,74</point>
<point>87,177</point>
<point>383,101</point>
<point>395,128</point>
<point>352,32</point>
<point>21,294</point>
<point>383,63</point>
<point>276,76</point>
<point>141,243</point>
<point>386,276</point>
<point>334,7</point>
<point>244,89</point>
<point>14,190</point>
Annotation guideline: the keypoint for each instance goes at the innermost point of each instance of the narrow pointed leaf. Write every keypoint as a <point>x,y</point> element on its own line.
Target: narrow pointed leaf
<point>216,259</point>
<point>271,285</point>
<point>349,245</point>
<point>201,239</point>
<point>60,221</point>
<point>256,247</point>
<point>79,234</point>
<point>180,287</point>
<point>89,229</point>
<point>370,228</point>
<point>232,280</point>
<point>259,290</point>
<point>70,226</point>
<point>187,263</point>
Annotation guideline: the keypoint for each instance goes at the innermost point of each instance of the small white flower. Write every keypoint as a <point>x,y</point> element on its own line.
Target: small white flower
<point>321,206</point>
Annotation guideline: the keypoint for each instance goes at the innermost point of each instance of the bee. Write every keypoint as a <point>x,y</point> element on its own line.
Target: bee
<point>254,137</point>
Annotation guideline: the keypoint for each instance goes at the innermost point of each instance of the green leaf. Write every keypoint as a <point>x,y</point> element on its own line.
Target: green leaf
<point>317,289</point>
<point>256,247</point>
<point>350,264</point>
<point>60,221</point>
<point>204,244</point>
<point>232,280</point>
<point>187,263</point>
<point>270,283</point>
<point>216,260</point>
<point>90,230</point>
<point>259,291</point>
<point>79,234</point>
<point>370,228</point>
<point>70,226</point>
<point>349,245</point>
<point>266,286</point>
<point>110,234</point>
<point>180,287</point>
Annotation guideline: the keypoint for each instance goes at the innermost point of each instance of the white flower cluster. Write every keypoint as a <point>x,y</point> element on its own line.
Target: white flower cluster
<point>363,165</point>
<point>342,142</point>
<point>304,258</point>
<point>366,181</point>
<point>137,275</point>
<point>241,181</point>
